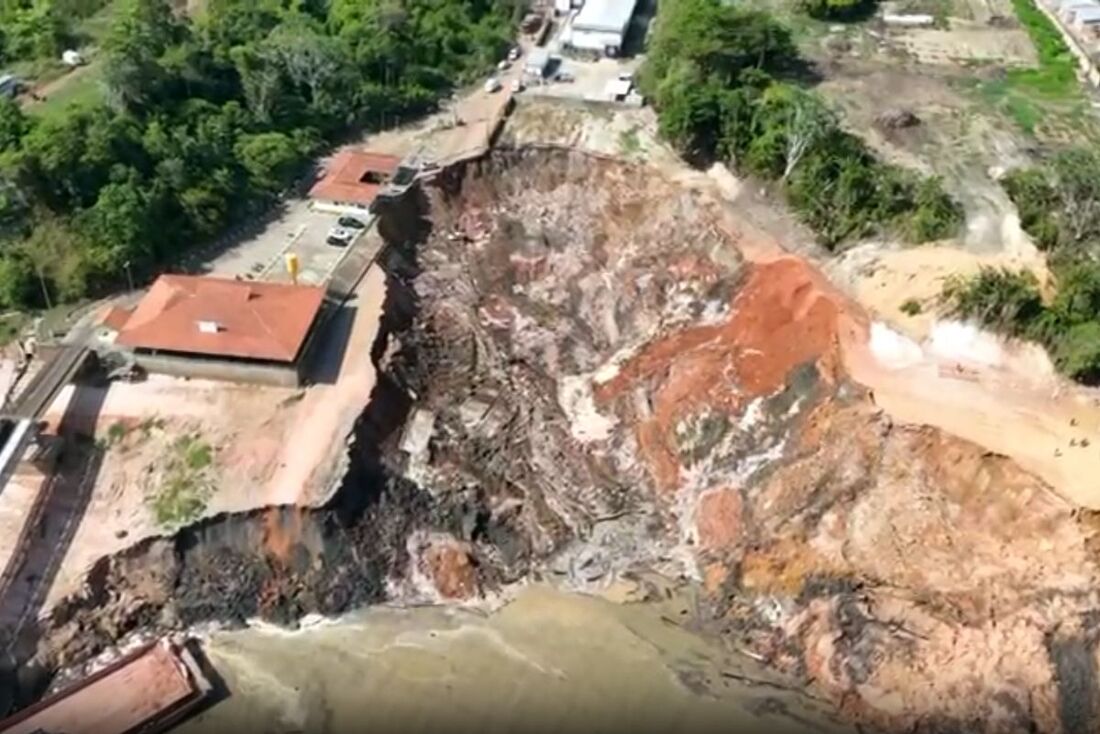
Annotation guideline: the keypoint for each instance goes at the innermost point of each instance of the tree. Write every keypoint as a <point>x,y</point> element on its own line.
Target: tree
<point>1037,202</point>
<point>271,160</point>
<point>1077,352</point>
<point>934,214</point>
<point>1076,178</point>
<point>808,121</point>
<point>719,38</point>
<point>18,282</point>
<point>1078,296</point>
<point>142,32</point>
<point>1059,201</point>
<point>1006,300</point>
<point>14,125</point>
<point>120,227</point>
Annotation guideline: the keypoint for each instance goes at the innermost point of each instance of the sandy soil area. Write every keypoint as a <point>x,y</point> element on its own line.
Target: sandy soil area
<point>882,280</point>
<point>269,446</point>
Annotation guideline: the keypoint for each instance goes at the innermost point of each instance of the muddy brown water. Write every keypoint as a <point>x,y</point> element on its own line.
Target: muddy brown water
<point>547,661</point>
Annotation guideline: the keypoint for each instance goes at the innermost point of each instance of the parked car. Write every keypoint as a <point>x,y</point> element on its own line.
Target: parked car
<point>504,66</point>
<point>514,53</point>
<point>339,237</point>
<point>564,76</point>
<point>349,222</point>
<point>492,84</point>
<point>517,85</point>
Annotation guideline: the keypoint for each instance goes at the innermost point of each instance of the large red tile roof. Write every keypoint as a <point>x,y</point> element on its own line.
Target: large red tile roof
<point>266,321</point>
<point>343,180</point>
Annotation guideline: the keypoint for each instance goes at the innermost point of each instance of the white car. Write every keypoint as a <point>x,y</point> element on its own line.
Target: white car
<point>517,85</point>
<point>492,84</point>
<point>514,53</point>
<point>504,65</point>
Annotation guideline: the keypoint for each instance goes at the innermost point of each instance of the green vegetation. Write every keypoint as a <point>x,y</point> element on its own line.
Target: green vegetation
<point>116,432</point>
<point>42,29</point>
<point>1059,203</point>
<point>837,10</point>
<point>185,488</point>
<point>1031,96</point>
<point>911,307</point>
<point>715,73</point>
<point>629,143</point>
<point>1059,207</point>
<point>1010,302</point>
<point>201,122</point>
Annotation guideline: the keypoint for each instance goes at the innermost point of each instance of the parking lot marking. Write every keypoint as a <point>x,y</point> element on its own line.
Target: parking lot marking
<point>281,255</point>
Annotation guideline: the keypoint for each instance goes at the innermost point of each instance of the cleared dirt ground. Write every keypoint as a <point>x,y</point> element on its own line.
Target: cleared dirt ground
<point>267,446</point>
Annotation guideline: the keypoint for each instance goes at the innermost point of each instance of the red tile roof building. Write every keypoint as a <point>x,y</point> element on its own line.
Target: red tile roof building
<point>354,178</point>
<point>115,317</point>
<point>219,317</point>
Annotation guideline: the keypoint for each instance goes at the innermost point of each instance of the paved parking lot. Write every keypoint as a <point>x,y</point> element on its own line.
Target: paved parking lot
<point>590,78</point>
<point>299,229</point>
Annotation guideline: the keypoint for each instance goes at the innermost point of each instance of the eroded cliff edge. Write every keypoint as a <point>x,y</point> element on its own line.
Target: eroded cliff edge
<point>596,384</point>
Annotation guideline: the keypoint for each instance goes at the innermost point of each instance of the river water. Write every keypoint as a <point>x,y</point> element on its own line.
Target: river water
<point>546,661</point>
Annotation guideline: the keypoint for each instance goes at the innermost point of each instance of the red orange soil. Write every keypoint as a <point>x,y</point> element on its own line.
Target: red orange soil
<point>784,316</point>
<point>451,569</point>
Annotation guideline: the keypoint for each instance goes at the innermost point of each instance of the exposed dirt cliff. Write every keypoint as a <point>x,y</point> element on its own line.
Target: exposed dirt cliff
<point>597,383</point>
<point>599,351</point>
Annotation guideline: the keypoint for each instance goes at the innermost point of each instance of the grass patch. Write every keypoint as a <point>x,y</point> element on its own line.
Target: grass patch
<point>185,488</point>
<point>13,324</point>
<point>84,89</point>
<point>629,143</point>
<point>1041,98</point>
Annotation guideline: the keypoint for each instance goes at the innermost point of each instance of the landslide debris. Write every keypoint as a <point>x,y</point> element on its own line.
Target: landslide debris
<point>598,349</point>
<point>598,385</point>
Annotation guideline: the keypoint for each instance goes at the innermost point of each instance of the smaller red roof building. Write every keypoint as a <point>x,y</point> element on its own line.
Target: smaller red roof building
<point>219,317</point>
<point>355,177</point>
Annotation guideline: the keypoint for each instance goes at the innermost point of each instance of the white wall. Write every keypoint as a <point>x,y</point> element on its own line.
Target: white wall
<point>595,40</point>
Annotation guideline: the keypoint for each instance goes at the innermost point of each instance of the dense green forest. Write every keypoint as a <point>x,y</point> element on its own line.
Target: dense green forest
<point>32,29</point>
<point>1059,205</point>
<point>206,119</point>
<point>722,79</point>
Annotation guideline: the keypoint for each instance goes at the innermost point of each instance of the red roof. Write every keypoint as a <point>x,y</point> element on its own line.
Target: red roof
<point>222,317</point>
<point>115,317</point>
<point>346,178</point>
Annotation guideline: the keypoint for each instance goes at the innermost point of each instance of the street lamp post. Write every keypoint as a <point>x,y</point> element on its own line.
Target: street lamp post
<point>129,275</point>
<point>42,283</point>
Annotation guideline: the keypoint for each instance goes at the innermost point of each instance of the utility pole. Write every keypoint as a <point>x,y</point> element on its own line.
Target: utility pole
<point>42,283</point>
<point>129,275</point>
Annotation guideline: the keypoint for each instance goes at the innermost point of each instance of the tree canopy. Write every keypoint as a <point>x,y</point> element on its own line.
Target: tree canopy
<point>718,75</point>
<point>207,118</point>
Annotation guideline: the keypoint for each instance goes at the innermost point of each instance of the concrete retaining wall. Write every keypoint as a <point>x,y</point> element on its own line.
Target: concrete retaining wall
<point>214,369</point>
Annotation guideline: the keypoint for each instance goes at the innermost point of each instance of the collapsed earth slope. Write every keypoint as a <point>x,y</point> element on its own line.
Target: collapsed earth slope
<point>629,392</point>
<point>598,384</point>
